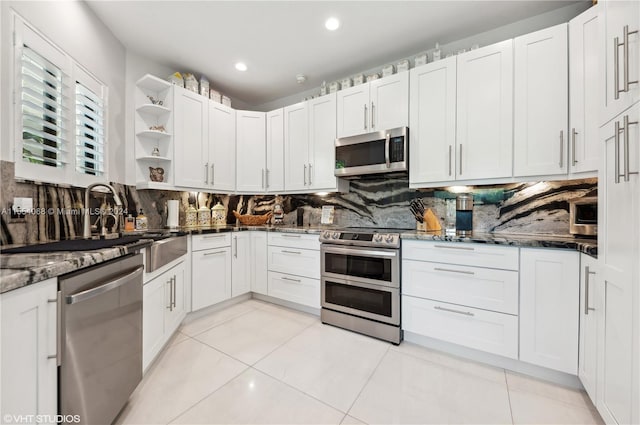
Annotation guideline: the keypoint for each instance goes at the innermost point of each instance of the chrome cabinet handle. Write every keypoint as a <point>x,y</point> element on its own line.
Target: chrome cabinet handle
<point>465,248</point>
<point>460,157</point>
<point>573,146</point>
<point>450,310</point>
<point>616,144</point>
<point>305,174</point>
<point>310,174</point>
<point>365,116</point>
<point>561,147</point>
<point>290,279</point>
<point>284,251</point>
<point>440,269</point>
<point>212,236</point>
<point>449,159</point>
<point>213,174</point>
<point>625,71</point>
<point>235,250</point>
<point>266,173</point>
<point>625,67</point>
<point>587,272</point>
<point>286,235</point>
<point>213,253</point>
<point>262,175</point>
<point>206,173</point>
<point>616,69</point>
<point>372,109</point>
<point>170,283</point>
<point>58,353</point>
<point>387,158</point>
<point>175,285</point>
<point>626,124</point>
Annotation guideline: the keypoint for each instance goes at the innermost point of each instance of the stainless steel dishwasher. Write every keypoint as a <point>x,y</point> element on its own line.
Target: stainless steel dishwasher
<point>100,339</point>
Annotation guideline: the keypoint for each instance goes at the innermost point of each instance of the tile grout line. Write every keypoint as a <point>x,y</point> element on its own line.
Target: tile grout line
<point>220,323</point>
<point>506,383</point>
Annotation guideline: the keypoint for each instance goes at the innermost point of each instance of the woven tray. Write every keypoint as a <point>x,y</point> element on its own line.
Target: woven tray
<point>252,220</point>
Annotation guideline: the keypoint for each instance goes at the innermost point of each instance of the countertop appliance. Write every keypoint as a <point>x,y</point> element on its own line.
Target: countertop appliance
<point>360,281</point>
<point>583,216</point>
<point>372,153</point>
<point>100,339</point>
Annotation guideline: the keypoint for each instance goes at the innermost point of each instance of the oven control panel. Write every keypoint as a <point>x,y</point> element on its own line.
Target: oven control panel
<point>384,240</point>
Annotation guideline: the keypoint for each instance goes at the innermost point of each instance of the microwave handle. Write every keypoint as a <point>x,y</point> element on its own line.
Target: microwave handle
<point>386,151</point>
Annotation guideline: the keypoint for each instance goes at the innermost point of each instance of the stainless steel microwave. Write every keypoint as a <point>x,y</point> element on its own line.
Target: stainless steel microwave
<point>373,153</point>
<point>583,216</point>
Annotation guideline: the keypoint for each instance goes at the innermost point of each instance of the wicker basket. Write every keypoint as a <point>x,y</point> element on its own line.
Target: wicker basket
<point>253,220</point>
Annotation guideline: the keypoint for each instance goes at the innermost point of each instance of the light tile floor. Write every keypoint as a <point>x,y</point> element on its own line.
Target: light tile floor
<point>257,363</point>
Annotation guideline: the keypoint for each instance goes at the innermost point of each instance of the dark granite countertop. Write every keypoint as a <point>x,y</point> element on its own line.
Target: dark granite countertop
<point>586,246</point>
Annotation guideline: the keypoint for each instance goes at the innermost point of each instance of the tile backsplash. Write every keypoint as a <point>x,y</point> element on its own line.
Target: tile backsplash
<point>533,207</point>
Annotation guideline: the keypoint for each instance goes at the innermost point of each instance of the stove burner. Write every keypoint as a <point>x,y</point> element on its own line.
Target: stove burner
<point>363,236</point>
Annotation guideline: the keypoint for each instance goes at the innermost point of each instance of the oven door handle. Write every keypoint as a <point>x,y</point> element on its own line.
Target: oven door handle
<point>361,252</point>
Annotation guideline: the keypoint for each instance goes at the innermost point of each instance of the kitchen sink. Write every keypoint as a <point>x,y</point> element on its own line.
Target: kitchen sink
<point>74,245</point>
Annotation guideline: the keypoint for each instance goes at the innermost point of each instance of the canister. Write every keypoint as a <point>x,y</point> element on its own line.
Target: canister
<point>191,216</point>
<point>464,214</point>
<point>218,216</point>
<point>204,217</point>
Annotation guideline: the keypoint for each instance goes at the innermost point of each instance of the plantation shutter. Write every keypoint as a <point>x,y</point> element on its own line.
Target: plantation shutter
<point>90,152</point>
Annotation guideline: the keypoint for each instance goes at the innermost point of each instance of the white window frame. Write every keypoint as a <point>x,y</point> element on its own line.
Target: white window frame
<point>24,33</point>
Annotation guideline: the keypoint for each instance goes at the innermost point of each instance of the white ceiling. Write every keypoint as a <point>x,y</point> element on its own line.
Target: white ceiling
<point>279,39</point>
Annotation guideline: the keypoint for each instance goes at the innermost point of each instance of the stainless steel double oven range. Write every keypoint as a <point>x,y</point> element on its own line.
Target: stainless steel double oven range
<point>361,281</point>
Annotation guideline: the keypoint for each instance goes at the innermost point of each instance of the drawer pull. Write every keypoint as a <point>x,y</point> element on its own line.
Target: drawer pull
<point>214,253</point>
<point>453,271</point>
<point>213,236</point>
<point>286,235</point>
<point>464,248</point>
<point>450,310</point>
<point>290,279</point>
<point>284,251</point>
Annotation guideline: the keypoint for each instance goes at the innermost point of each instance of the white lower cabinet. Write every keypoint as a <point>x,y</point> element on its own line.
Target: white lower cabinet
<point>480,329</point>
<point>293,262</point>
<point>210,270</point>
<point>549,302</point>
<point>590,309</point>
<point>258,262</point>
<point>29,369</point>
<point>240,260</point>
<point>164,309</point>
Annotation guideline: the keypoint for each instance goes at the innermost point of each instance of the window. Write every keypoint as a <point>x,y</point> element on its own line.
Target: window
<point>60,114</point>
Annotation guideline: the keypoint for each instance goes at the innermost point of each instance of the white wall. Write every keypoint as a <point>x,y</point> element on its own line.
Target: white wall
<point>525,26</point>
<point>73,27</point>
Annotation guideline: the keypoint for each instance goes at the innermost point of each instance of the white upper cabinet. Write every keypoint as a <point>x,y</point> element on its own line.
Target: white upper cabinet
<point>250,151</point>
<point>191,140</point>
<point>584,92</point>
<point>432,147</point>
<point>322,136</point>
<point>375,106</point>
<point>274,178</point>
<point>389,98</point>
<point>621,56</point>
<point>296,147</point>
<point>541,103</point>
<point>222,147</point>
<point>485,112</point>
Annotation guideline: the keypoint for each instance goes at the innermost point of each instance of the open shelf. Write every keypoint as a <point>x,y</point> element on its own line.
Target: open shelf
<point>153,185</point>
<point>153,83</point>
<point>154,134</point>
<point>154,110</point>
<point>153,158</point>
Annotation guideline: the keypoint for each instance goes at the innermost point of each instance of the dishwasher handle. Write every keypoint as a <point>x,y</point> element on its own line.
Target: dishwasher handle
<point>90,293</point>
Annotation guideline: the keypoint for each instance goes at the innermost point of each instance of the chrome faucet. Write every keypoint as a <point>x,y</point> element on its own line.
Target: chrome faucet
<point>86,219</point>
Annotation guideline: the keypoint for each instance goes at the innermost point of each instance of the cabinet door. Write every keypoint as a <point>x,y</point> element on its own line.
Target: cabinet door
<point>240,263</point>
<point>275,151</point>
<point>584,91</point>
<point>156,302</point>
<point>433,123</point>
<point>353,111</point>
<point>29,376</point>
<point>210,277</point>
<point>259,262</point>
<point>549,302</point>
<point>590,308</point>
<point>176,296</point>
<point>222,147</point>
<point>322,137</point>
<point>389,102</point>
<point>250,151</point>
<point>191,146</point>
<point>485,112</point>
<point>618,240</point>
<point>541,102</point>
<point>618,15</point>
<point>296,147</point>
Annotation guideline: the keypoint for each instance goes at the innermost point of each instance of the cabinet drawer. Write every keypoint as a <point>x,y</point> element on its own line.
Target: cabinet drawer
<point>495,333</point>
<point>489,289</point>
<point>294,240</point>
<point>466,254</point>
<point>213,240</point>
<point>296,261</point>
<point>297,289</point>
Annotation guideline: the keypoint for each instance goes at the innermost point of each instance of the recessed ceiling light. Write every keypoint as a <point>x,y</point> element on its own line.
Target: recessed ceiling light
<point>241,66</point>
<point>332,24</point>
